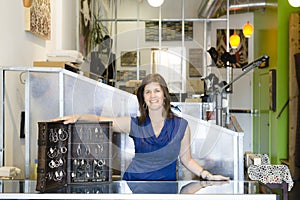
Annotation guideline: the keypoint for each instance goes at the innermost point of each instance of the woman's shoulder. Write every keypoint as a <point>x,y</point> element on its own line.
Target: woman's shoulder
<point>179,119</point>
<point>134,119</point>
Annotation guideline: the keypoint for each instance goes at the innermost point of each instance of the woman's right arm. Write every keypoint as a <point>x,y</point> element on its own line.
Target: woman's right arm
<point>120,124</point>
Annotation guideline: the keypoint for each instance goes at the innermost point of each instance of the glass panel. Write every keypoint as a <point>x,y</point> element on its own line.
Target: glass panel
<point>127,55</point>
<point>104,9</point>
<point>174,13</point>
<point>138,28</point>
<point>90,14</point>
<point>109,27</point>
<point>127,46</point>
<point>191,8</point>
<point>145,57</point>
<point>212,147</point>
<point>172,33</point>
<point>125,74</point>
<point>97,98</point>
<point>169,64</point>
<point>127,9</point>
<point>146,190</point>
<point>14,154</point>
<point>198,34</point>
<point>43,94</point>
<point>102,56</point>
<point>148,12</point>
<point>127,36</point>
<point>44,105</point>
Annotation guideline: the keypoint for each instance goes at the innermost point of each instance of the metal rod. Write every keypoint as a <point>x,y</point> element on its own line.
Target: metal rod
<point>264,60</point>
<point>2,118</point>
<point>27,126</point>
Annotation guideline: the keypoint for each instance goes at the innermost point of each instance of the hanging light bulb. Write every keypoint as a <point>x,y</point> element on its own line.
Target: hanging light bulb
<point>248,29</point>
<point>155,3</point>
<point>234,40</point>
<point>294,3</point>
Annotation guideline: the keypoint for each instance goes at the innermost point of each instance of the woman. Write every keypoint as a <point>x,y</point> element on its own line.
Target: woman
<point>159,135</point>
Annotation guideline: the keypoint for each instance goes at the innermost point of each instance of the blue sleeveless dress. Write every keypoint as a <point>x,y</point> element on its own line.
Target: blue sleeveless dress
<point>155,157</point>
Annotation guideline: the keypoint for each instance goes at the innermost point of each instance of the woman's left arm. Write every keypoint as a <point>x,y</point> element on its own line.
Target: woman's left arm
<point>193,166</point>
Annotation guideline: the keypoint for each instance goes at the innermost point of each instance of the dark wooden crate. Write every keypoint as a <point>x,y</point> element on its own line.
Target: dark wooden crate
<point>73,153</point>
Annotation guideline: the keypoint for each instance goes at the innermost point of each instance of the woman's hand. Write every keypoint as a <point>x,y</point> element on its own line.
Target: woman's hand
<point>67,119</point>
<point>211,177</point>
<point>216,177</point>
<point>193,187</point>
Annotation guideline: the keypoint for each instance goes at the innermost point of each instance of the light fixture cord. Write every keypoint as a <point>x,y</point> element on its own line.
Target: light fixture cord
<point>234,14</point>
<point>248,7</point>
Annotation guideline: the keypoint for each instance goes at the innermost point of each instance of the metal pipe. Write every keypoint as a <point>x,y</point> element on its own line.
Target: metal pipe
<point>217,8</point>
<point>2,80</point>
<point>27,126</point>
<point>208,8</point>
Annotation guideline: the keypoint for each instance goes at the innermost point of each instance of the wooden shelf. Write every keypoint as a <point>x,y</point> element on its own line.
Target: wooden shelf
<point>65,65</point>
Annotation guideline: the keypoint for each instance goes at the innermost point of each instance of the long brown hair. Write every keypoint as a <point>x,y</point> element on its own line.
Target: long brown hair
<point>153,78</point>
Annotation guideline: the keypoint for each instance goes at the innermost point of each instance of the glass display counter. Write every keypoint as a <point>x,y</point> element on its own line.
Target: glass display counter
<point>25,189</point>
<point>49,93</point>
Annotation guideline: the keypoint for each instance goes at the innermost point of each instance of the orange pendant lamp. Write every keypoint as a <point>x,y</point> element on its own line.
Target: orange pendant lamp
<point>27,3</point>
<point>248,29</point>
<point>234,40</point>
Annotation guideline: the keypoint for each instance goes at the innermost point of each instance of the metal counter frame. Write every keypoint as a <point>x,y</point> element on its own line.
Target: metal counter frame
<point>13,189</point>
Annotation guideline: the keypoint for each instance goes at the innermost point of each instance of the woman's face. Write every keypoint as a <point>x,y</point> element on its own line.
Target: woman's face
<point>153,96</point>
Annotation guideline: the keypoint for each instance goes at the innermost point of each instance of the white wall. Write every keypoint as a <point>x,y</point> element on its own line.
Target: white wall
<point>21,48</point>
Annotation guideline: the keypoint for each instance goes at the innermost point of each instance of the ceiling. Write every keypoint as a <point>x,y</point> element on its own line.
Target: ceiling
<point>217,8</point>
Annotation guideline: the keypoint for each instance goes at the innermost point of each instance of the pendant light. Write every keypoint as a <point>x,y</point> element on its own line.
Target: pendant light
<point>234,40</point>
<point>248,29</point>
<point>294,3</point>
<point>27,3</point>
<point>155,3</point>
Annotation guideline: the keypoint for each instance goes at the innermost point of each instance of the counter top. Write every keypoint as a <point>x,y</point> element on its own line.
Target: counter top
<point>25,189</point>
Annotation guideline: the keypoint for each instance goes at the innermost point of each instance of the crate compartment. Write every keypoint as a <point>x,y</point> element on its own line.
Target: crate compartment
<point>73,153</point>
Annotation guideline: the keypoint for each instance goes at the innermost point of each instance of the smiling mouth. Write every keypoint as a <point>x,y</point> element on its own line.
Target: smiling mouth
<point>154,101</point>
